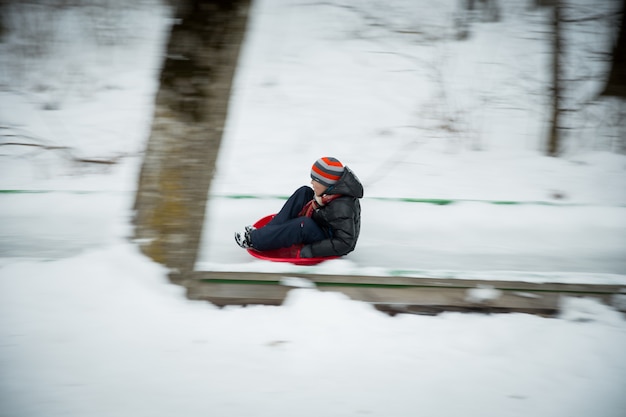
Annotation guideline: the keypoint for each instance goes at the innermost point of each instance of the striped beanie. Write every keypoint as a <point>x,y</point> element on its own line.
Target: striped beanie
<point>327,170</point>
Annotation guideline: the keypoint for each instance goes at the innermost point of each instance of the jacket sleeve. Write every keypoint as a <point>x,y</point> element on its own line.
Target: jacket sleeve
<point>342,219</point>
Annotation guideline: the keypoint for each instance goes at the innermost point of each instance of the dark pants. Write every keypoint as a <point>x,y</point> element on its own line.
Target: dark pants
<point>287,228</point>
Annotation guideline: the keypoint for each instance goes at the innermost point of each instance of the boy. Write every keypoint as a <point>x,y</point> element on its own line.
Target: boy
<point>325,219</point>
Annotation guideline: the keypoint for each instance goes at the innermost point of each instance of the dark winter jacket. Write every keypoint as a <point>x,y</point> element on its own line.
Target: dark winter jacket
<point>340,219</point>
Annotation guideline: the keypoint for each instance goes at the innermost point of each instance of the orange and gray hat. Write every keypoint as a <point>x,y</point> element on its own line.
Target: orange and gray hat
<point>327,170</point>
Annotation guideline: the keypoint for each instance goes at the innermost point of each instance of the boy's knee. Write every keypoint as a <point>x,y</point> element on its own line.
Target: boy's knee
<point>305,190</point>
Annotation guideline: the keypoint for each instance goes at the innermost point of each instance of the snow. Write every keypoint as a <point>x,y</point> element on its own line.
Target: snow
<point>89,326</point>
<point>482,293</point>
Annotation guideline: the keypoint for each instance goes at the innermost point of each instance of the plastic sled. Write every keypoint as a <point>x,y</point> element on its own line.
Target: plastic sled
<point>290,254</point>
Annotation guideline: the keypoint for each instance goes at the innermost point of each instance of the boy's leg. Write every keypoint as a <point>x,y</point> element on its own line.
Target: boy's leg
<point>293,205</point>
<point>294,231</point>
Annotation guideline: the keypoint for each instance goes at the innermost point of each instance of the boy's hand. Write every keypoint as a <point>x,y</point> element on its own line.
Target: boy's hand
<point>306,252</point>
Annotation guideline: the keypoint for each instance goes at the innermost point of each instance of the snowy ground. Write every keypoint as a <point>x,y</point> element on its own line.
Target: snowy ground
<point>88,326</point>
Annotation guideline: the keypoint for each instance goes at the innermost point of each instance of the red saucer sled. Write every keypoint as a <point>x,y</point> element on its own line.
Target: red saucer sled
<point>290,254</point>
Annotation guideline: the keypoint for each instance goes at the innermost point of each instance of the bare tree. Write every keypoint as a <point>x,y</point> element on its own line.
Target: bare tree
<point>616,81</point>
<point>475,10</point>
<point>188,122</point>
<point>554,134</point>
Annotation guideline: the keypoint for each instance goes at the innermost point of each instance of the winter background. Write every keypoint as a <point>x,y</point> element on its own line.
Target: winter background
<point>423,103</point>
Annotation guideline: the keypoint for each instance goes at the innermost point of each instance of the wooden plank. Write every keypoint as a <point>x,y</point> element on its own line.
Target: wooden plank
<point>236,294</point>
<point>399,294</point>
<point>385,281</point>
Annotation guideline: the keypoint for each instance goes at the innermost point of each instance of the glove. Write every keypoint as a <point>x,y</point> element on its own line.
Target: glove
<point>306,252</point>
<point>318,200</point>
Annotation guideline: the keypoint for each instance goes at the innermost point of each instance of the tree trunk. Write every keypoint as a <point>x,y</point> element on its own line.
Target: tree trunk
<point>187,127</point>
<point>616,82</point>
<point>554,135</point>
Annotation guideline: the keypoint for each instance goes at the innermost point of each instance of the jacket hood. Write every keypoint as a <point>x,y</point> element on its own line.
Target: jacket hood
<point>348,184</point>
